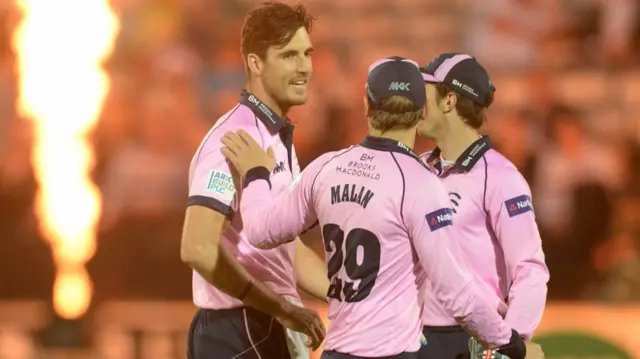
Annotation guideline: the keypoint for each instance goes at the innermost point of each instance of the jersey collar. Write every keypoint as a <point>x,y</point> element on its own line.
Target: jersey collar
<point>467,159</point>
<point>270,119</point>
<point>388,145</point>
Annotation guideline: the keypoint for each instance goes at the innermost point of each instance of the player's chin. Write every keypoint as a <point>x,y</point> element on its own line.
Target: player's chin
<point>296,98</point>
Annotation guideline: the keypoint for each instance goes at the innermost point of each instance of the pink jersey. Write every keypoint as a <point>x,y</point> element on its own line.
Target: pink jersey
<point>375,214</point>
<point>498,233</point>
<point>211,185</point>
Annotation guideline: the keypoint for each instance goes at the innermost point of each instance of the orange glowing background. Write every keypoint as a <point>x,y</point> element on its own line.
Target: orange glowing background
<point>60,47</point>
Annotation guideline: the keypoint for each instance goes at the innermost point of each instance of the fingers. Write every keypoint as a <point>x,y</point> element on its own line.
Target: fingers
<point>230,156</point>
<point>271,153</point>
<point>319,330</point>
<point>315,330</point>
<point>248,139</point>
<point>233,142</point>
<point>313,341</point>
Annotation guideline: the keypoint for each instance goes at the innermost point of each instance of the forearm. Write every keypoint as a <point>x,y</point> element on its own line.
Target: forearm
<point>311,272</point>
<point>524,317</point>
<point>223,271</point>
<point>271,220</point>
<point>527,299</point>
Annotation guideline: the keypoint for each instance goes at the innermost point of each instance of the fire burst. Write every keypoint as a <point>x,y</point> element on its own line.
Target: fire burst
<point>60,47</point>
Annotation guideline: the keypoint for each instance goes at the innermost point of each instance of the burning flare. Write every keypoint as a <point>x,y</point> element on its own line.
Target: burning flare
<point>60,47</point>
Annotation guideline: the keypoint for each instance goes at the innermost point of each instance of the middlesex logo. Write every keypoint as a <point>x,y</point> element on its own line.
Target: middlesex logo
<point>440,218</point>
<point>454,197</point>
<point>279,168</point>
<point>518,205</point>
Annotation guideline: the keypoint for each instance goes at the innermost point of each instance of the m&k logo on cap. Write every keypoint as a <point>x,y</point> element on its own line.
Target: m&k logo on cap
<point>518,205</point>
<point>400,86</point>
<point>440,218</point>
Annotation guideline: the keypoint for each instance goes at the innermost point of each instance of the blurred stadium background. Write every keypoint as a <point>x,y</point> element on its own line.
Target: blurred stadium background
<point>93,159</point>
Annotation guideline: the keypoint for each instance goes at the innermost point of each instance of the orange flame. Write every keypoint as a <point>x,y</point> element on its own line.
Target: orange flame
<point>60,46</point>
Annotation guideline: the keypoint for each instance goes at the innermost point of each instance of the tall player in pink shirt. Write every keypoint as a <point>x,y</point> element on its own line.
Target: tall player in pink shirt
<point>245,295</point>
<point>375,214</point>
<point>491,203</point>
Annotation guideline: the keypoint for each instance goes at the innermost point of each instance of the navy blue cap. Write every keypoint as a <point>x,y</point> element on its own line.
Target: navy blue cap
<point>395,76</point>
<point>463,74</point>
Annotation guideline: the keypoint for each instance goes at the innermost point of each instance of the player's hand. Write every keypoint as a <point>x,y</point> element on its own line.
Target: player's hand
<point>245,153</point>
<point>534,351</point>
<point>305,321</point>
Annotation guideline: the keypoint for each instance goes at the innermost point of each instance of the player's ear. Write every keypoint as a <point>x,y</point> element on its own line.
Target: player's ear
<point>255,65</point>
<point>423,114</point>
<point>449,102</point>
<point>366,106</point>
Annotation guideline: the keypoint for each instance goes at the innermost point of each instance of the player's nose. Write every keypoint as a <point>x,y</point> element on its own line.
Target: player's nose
<point>305,66</point>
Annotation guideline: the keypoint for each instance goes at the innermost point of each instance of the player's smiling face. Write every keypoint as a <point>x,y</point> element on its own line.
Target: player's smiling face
<point>435,117</point>
<point>288,70</point>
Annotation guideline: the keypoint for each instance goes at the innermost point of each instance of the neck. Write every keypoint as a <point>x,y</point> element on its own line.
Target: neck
<point>455,140</point>
<point>258,90</point>
<point>405,136</point>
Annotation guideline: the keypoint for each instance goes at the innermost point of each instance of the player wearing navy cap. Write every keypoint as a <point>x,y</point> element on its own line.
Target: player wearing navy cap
<point>492,208</point>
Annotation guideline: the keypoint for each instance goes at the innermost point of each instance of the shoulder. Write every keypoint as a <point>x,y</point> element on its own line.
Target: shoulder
<point>504,181</point>
<point>416,174</point>
<point>327,157</point>
<point>239,117</point>
<point>500,169</point>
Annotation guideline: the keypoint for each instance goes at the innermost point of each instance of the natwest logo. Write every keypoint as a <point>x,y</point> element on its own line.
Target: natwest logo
<point>439,219</point>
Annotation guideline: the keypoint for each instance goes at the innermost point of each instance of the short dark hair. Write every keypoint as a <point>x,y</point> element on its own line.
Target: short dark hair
<point>272,24</point>
<point>473,114</point>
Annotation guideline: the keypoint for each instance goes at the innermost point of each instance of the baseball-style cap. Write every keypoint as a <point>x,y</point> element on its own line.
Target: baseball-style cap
<point>463,74</point>
<point>395,76</point>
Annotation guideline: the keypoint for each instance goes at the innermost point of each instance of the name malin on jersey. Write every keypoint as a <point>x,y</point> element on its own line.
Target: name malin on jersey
<point>518,205</point>
<point>440,218</point>
<point>351,193</point>
<point>279,168</point>
<point>221,183</point>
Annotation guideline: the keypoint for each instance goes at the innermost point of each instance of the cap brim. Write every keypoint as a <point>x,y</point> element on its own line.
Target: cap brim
<point>429,78</point>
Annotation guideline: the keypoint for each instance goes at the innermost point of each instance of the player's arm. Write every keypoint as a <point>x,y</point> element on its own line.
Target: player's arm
<point>513,221</point>
<point>269,220</point>
<point>429,219</point>
<point>311,272</point>
<point>210,206</point>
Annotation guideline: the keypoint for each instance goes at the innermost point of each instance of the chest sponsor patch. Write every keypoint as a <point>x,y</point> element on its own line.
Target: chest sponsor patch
<point>440,218</point>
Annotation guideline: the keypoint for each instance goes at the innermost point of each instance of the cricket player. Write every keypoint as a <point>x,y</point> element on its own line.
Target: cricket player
<point>247,295</point>
<point>375,215</point>
<point>492,207</point>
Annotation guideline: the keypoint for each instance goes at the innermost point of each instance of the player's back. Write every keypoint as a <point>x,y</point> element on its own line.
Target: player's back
<point>373,297</point>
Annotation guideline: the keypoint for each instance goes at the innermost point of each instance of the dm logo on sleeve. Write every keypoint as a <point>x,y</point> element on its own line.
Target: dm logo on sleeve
<point>440,218</point>
<point>518,205</point>
<point>222,184</point>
